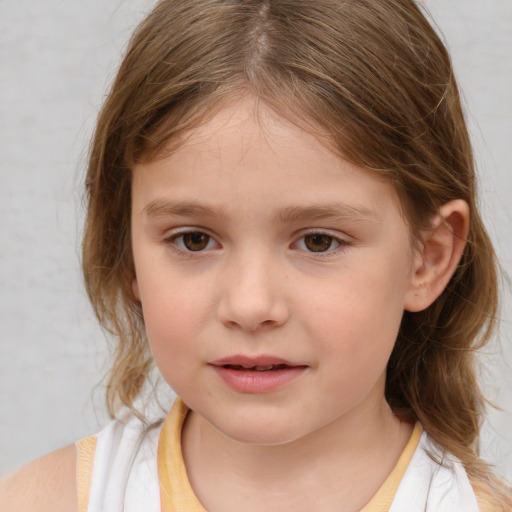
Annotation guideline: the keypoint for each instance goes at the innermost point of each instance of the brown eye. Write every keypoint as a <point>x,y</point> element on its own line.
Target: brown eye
<point>195,241</point>
<point>318,242</point>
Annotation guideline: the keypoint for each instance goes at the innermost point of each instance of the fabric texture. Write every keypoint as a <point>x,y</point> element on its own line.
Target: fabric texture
<point>124,474</point>
<point>130,467</point>
<point>384,496</point>
<point>175,490</point>
<point>434,482</point>
<point>86,449</point>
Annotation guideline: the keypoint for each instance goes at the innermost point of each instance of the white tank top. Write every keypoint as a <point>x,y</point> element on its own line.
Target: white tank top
<point>125,474</point>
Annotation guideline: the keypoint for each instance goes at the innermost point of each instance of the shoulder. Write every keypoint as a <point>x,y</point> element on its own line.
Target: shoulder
<point>46,485</point>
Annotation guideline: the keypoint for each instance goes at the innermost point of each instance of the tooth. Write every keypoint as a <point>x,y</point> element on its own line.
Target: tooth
<point>264,368</point>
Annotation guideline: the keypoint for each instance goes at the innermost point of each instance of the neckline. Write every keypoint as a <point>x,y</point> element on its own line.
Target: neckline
<point>176,493</point>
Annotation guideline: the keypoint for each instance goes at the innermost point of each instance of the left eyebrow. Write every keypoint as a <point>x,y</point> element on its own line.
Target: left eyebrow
<point>336,211</point>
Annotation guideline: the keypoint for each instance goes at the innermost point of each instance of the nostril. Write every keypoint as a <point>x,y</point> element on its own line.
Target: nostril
<point>249,326</point>
<point>252,308</point>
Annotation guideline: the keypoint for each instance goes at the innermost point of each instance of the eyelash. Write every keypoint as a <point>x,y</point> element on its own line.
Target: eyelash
<point>183,250</point>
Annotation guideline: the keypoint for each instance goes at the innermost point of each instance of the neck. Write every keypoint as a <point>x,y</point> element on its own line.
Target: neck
<point>344,462</point>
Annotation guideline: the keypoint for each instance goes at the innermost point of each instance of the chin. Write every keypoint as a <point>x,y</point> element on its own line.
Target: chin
<point>260,438</point>
<point>258,434</point>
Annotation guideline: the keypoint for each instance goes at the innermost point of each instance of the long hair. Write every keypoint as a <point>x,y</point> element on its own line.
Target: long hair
<point>376,78</point>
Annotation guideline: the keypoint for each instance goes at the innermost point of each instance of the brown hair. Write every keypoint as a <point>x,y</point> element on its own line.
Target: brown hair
<point>376,77</point>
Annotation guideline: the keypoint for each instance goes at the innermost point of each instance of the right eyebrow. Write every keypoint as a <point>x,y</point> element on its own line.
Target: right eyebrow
<point>166,208</point>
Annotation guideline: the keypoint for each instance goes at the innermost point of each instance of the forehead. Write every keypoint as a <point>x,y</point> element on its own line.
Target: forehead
<point>245,120</point>
<point>247,150</point>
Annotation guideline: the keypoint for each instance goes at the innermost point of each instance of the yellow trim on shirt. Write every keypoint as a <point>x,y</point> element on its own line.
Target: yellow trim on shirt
<point>382,500</point>
<point>176,494</point>
<point>85,451</point>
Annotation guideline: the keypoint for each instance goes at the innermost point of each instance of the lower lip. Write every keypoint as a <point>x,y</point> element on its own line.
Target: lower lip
<point>247,381</point>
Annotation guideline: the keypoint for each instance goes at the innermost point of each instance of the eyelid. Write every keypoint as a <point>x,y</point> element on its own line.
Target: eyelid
<point>342,237</point>
<point>174,232</point>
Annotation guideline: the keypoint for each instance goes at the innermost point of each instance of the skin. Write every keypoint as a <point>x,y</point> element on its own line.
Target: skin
<point>259,188</point>
<point>254,187</point>
<point>46,485</point>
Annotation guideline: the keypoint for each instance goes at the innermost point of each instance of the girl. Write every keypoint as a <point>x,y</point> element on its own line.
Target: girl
<point>282,216</point>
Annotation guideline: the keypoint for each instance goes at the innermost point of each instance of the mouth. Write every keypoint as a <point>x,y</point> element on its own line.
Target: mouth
<point>256,368</point>
<point>262,374</point>
<point>261,363</point>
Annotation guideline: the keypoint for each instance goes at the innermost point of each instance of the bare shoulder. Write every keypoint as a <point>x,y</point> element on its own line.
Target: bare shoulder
<point>46,484</point>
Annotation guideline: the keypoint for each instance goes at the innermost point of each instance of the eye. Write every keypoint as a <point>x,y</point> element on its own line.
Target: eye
<point>193,241</point>
<point>318,243</point>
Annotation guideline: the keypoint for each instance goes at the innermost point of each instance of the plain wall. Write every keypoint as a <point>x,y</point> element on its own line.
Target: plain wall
<point>57,58</point>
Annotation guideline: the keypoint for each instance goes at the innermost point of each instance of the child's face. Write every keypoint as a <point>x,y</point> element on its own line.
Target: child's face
<point>255,246</point>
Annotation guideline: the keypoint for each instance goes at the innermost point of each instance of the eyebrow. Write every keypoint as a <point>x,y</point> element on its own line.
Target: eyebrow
<point>332,211</point>
<point>165,208</point>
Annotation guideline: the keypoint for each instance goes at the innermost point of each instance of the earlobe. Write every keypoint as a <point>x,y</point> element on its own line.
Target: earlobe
<point>439,255</point>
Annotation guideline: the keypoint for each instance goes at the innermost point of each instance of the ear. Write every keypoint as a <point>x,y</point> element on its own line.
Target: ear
<point>135,288</point>
<point>438,256</point>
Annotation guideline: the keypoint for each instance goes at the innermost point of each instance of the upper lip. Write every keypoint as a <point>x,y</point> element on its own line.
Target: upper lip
<point>252,361</point>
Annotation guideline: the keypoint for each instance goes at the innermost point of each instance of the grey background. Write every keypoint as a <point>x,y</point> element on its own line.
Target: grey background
<point>57,58</point>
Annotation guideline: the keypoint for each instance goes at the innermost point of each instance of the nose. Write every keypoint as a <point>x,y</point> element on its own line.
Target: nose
<point>253,296</point>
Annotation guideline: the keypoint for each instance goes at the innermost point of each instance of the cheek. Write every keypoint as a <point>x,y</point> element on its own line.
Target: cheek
<point>358,318</point>
<point>170,314</point>
<point>172,342</point>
